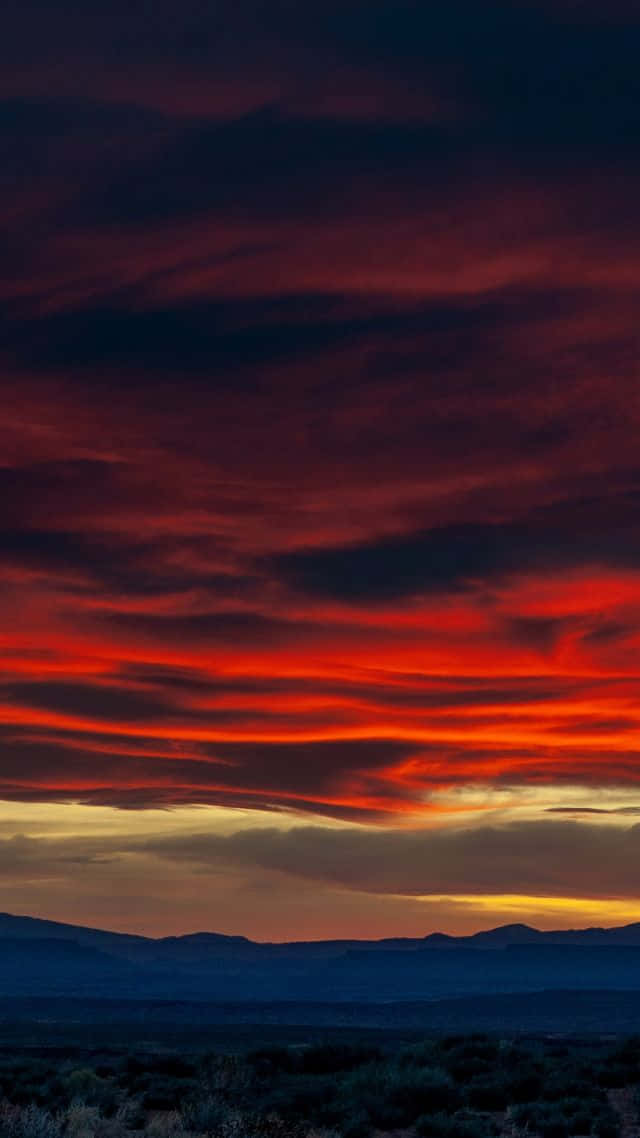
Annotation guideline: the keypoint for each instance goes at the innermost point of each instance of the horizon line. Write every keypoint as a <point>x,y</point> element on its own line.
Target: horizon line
<point>319,940</point>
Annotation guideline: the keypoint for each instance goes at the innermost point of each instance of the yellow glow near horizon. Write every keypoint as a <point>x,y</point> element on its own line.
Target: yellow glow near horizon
<point>508,907</point>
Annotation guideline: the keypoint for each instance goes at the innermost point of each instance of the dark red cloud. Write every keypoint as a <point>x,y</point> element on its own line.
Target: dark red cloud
<point>319,482</point>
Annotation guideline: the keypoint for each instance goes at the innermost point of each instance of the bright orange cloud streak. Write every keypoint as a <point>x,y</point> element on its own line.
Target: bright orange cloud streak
<point>319,475</point>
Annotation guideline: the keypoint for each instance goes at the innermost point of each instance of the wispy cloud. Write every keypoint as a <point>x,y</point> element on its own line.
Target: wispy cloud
<point>319,474</point>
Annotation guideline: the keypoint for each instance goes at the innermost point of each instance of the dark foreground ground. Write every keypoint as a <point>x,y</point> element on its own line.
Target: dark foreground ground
<point>149,1078</point>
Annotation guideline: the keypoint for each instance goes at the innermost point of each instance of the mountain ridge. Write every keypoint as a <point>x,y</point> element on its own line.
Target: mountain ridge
<point>49,958</point>
<point>21,926</point>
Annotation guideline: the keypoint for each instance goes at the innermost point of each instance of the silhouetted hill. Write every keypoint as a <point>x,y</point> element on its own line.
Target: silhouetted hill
<point>34,928</point>
<point>45,958</point>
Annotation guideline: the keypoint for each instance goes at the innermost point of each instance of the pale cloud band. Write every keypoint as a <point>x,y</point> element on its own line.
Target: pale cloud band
<point>238,876</point>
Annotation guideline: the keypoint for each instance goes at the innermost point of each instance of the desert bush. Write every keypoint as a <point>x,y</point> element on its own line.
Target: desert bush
<point>84,1084</point>
<point>424,1054</point>
<point>561,1084</point>
<point>471,1056</point>
<point>546,1119</point>
<point>465,1068</point>
<point>268,1060</point>
<point>488,1093</point>
<point>606,1126</point>
<point>169,1124</point>
<point>526,1083</point>
<point>395,1096</point>
<point>459,1125</point>
<point>573,1116</point>
<point>237,1124</point>
<point>305,1097</point>
<point>329,1058</point>
<point>357,1124</point>
<point>205,1115</point>
<point>614,1075</point>
<point>227,1074</point>
<point>165,1093</point>
<point>580,1123</point>
<point>81,1120</point>
<point>27,1081</point>
<point>27,1122</point>
<point>473,1046</point>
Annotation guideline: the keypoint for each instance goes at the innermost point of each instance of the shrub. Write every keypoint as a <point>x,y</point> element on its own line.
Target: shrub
<point>305,1097</point>
<point>85,1085</point>
<point>231,1074</point>
<point>488,1094</point>
<point>328,1058</point>
<point>567,1117</point>
<point>525,1084</point>
<point>606,1127</point>
<point>82,1121</point>
<point>460,1125</point>
<point>615,1075</point>
<point>271,1059</point>
<point>167,1093</point>
<point>356,1125</point>
<point>27,1122</point>
<point>580,1123</point>
<point>395,1096</point>
<point>239,1125</point>
<point>205,1115</point>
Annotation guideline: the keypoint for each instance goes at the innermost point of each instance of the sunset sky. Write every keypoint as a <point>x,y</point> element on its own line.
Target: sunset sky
<point>320,464</point>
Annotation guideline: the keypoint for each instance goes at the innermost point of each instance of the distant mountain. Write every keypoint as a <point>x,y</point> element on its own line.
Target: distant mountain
<point>506,935</point>
<point>47,958</point>
<point>34,928</point>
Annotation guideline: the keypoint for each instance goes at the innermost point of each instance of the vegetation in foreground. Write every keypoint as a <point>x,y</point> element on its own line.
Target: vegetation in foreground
<point>463,1086</point>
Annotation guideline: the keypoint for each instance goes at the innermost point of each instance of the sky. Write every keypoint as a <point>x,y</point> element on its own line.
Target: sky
<point>319,465</point>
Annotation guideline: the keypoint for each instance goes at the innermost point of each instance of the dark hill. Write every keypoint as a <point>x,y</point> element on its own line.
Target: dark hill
<point>45,958</point>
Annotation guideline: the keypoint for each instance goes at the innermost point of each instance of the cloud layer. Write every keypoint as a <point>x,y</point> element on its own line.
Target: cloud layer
<point>319,475</point>
<point>311,880</point>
